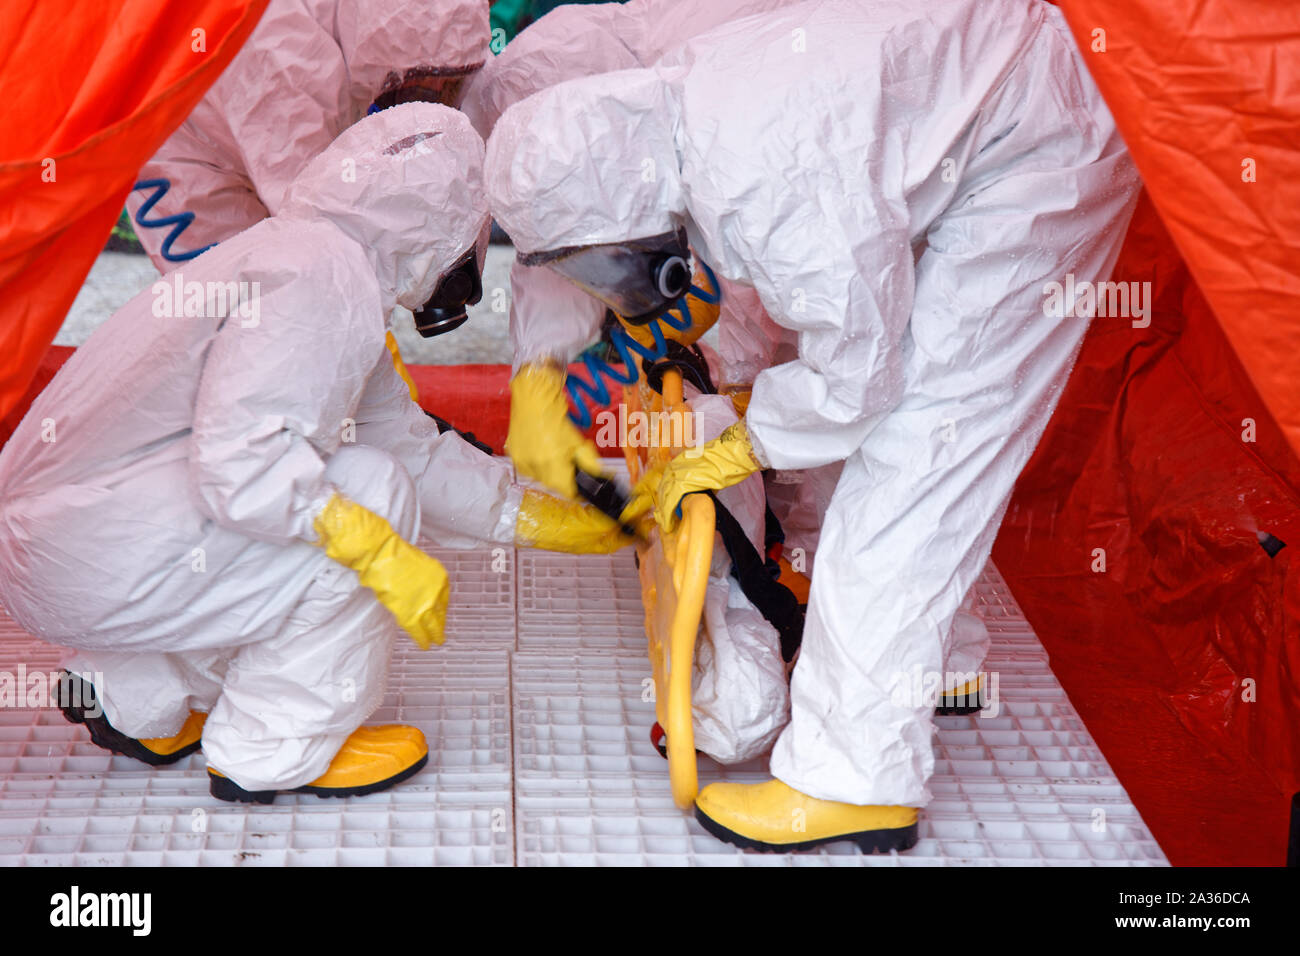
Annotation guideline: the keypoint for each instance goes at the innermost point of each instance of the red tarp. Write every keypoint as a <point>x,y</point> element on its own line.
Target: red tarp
<point>1163,459</point>
<point>474,398</point>
<point>91,88</point>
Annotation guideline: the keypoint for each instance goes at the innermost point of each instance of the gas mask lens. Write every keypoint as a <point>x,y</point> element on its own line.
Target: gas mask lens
<point>673,277</point>
<point>637,279</point>
<point>445,310</point>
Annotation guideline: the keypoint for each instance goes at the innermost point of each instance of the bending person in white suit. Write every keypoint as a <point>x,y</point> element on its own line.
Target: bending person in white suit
<point>897,183</point>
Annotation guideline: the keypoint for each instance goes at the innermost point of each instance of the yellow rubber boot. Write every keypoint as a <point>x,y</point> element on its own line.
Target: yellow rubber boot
<point>775,818</point>
<point>962,701</point>
<point>81,706</point>
<point>370,760</point>
<point>186,741</point>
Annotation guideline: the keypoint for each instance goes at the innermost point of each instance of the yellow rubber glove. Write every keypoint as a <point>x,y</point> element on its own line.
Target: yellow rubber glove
<point>555,524</point>
<point>727,460</point>
<point>543,443</point>
<point>404,579</point>
<point>641,503</point>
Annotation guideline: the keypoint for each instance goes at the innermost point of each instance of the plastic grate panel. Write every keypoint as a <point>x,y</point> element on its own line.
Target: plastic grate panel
<point>1026,787</point>
<point>590,601</point>
<point>585,601</point>
<point>568,777</point>
<point>63,801</point>
<point>482,605</point>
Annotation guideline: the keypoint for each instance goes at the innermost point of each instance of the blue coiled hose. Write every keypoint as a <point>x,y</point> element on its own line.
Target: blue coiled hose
<point>583,393</point>
<point>178,222</point>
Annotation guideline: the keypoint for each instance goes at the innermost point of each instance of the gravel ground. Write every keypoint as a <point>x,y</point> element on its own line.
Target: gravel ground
<point>118,276</point>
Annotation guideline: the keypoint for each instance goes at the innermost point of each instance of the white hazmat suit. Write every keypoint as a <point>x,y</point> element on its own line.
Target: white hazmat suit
<point>897,181</point>
<point>309,71</point>
<point>157,502</point>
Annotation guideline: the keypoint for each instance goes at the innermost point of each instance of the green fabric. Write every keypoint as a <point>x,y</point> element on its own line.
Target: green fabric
<point>506,15</point>
<point>542,7</point>
<point>511,16</point>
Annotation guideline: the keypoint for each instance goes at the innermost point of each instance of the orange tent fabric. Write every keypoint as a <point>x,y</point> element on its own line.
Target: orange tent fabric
<point>1132,539</point>
<point>1132,544</point>
<point>1207,95</point>
<point>91,88</point>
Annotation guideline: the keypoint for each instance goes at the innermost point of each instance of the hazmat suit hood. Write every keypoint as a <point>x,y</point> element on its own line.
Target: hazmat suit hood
<point>406,184</point>
<point>387,41</point>
<point>575,40</point>
<point>588,162</point>
<point>571,41</point>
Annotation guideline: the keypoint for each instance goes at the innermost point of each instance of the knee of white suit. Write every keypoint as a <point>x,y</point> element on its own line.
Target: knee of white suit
<point>377,481</point>
<point>289,702</point>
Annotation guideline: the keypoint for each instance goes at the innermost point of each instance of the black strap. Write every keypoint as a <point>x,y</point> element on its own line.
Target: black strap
<point>757,575</point>
<point>773,535</point>
<point>689,361</point>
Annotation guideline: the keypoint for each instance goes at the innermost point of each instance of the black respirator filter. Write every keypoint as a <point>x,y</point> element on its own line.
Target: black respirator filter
<point>445,310</point>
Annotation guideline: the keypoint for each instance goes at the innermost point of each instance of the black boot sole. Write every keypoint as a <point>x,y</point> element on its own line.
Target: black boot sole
<point>963,711</point>
<point>868,841</point>
<point>949,705</point>
<point>103,734</point>
<point>223,788</point>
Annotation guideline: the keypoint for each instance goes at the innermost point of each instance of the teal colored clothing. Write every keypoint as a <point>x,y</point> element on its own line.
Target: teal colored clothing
<point>506,15</point>
<point>542,7</point>
<point>511,16</point>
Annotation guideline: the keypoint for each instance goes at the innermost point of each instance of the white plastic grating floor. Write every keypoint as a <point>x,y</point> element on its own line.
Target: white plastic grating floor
<point>537,713</point>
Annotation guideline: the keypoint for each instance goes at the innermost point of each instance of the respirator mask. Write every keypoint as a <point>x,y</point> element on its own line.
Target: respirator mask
<point>445,310</point>
<point>638,279</point>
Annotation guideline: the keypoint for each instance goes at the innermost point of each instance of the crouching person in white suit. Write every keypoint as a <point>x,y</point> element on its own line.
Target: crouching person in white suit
<point>215,501</point>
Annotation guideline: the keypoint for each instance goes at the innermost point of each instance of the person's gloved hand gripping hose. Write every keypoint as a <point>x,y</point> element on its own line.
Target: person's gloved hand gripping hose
<point>542,442</point>
<point>410,583</point>
<point>555,524</point>
<point>727,460</point>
